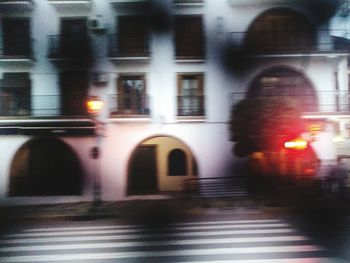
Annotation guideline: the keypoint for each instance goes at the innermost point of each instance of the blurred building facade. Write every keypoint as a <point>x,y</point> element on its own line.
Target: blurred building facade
<point>168,72</point>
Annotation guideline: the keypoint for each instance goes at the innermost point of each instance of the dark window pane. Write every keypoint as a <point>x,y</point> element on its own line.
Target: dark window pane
<point>177,164</point>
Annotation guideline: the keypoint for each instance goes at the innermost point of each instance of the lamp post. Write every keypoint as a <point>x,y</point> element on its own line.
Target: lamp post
<point>94,107</point>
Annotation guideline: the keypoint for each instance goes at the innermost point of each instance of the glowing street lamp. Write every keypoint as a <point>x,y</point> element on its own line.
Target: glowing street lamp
<point>94,108</point>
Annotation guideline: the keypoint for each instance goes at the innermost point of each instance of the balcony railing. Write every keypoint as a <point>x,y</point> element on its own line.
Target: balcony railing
<point>190,105</point>
<point>41,106</point>
<point>261,42</point>
<point>128,47</point>
<point>69,5</point>
<point>321,102</point>
<point>21,50</point>
<point>9,5</point>
<point>136,104</point>
<point>62,47</point>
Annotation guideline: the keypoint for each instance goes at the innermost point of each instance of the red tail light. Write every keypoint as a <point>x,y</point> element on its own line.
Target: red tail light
<point>296,144</point>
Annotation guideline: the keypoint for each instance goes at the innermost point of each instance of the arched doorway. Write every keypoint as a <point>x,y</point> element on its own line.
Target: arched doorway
<point>280,29</point>
<point>160,164</point>
<point>45,167</point>
<point>284,81</point>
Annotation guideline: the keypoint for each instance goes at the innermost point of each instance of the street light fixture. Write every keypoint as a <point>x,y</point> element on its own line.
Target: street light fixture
<point>94,107</point>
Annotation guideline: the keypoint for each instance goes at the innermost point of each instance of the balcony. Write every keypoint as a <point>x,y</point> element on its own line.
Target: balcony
<point>71,5</point>
<point>325,102</point>
<point>55,106</point>
<point>129,105</point>
<point>16,5</point>
<point>128,48</point>
<point>190,106</point>
<point>128,3</point>
<point>288,42</point>
<point>188,2</point>
<point>63,48</point>
<point>16,50</point>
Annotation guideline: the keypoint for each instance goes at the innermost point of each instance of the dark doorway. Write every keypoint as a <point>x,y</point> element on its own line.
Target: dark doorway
<point>143,171</point>
<point>45,167</point>
<point>74,37</point>
<point>74,86</point>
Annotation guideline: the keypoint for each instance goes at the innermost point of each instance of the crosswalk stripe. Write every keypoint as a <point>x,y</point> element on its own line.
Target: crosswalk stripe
<point>139,236</point>
<point>233,222</point>
<point>155,243</point>
<point>172,234</point>
<point>165,253</point>
<point>279,260</point>
<point>131,230</point>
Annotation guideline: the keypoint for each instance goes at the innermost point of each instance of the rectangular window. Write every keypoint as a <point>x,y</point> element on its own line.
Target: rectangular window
<point>189,37</point>
<point>15,94</point>
<point>16,39</point>
<point>190,95</point>
<point>132,36</point>
<point>131,97</point>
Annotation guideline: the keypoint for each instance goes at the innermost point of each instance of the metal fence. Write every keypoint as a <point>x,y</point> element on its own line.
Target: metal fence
<point>40,105</point>
<point>190,105</point>
<point>235,186</point>
<point>61,46</point>
<point>322,101</point>
<point>127,46</point>
<point>289,41</point>
<point>129,104</point>
<point>22,48</point>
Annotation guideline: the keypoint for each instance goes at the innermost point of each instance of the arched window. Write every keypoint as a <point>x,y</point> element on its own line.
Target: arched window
<point>280,29</point>
<point>177,164</point>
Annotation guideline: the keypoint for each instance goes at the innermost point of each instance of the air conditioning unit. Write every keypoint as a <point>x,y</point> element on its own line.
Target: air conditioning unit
<point>96,24</point>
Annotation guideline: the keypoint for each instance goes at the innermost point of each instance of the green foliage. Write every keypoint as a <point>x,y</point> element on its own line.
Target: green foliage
<point>262,123</point>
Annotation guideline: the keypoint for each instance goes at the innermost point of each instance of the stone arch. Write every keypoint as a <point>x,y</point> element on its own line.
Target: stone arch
<point>280,29</point>
<point>285,81</point>
<point>45,166</point>
<point>148,166</point>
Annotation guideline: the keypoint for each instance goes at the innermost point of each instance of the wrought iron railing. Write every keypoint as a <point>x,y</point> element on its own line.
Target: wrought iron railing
<point>123,47</point>
<point>129,104</point>
<point>22,49</point>
<point>41,106</point>
<point>190,105</point>
<point>321,101</point>
<point>189,2</point>
<point>214,187</point>
<point>289,41</point>
<point>60,46</point>
<point>17,2</point>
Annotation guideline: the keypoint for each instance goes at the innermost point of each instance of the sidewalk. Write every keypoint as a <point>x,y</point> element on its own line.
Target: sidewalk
<point>164,209</point>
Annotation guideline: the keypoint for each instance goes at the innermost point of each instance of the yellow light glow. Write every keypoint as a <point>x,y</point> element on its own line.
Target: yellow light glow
<point>297,144</point>
<point>94,106</point>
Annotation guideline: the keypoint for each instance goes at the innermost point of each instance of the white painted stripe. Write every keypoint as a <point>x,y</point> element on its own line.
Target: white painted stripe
<point>155,243</point>
<point>279,260</point>
<point>135,236</point>
<point>132,230</point>
<point>233,222</point>
<point>168,253</point>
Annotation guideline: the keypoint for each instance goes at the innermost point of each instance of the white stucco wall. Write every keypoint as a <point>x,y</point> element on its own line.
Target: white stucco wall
<point>208,139</point>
